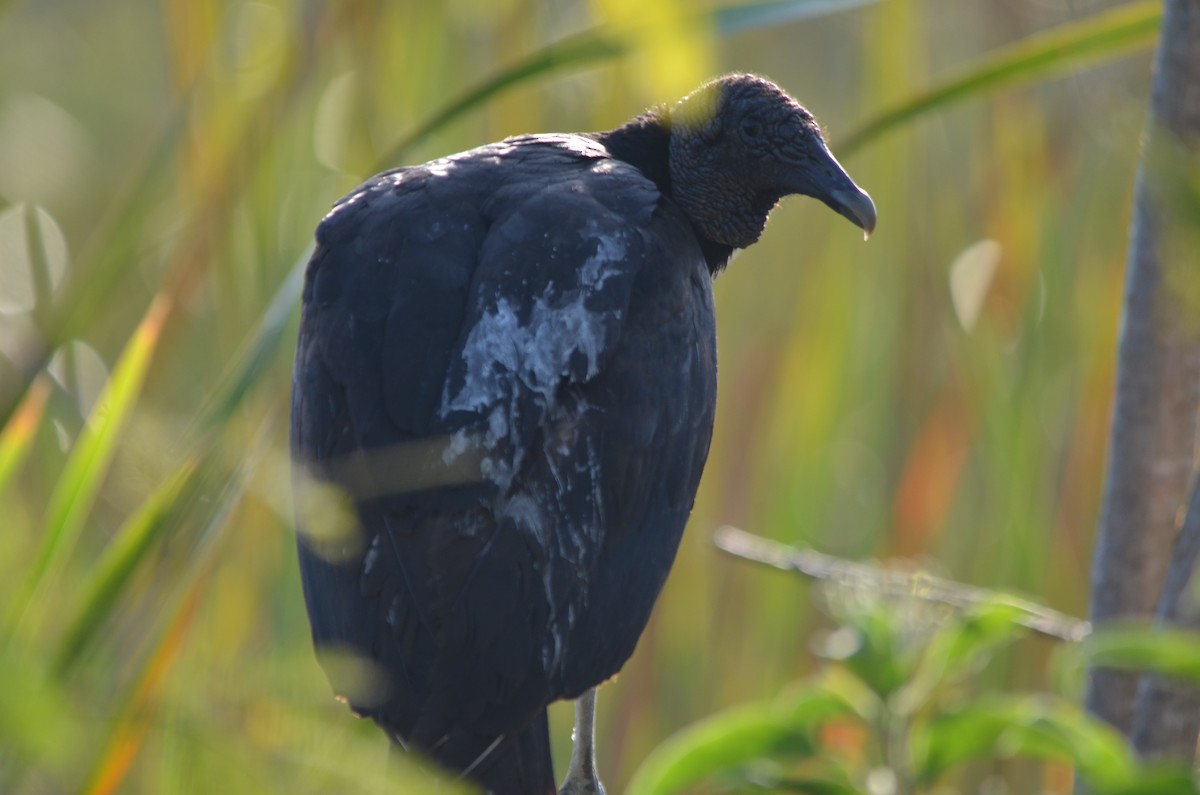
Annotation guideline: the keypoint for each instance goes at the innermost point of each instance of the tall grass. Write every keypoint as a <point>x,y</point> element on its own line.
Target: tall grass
<point>179,155</point>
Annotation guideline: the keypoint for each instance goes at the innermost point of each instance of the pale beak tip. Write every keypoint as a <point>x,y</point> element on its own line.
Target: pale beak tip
<point>858,207</point>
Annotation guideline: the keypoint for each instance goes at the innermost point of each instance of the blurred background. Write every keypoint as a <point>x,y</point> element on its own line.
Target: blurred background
<point>936,397</point>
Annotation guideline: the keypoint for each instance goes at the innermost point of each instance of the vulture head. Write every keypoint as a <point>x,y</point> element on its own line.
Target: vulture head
<point>738,145</point>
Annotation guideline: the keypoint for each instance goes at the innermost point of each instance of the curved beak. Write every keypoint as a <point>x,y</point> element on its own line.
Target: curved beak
<point>822,177</point>
<point>854,203</point>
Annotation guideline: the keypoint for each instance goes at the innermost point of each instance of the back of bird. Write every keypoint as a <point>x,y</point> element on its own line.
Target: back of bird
<point>493,473</point>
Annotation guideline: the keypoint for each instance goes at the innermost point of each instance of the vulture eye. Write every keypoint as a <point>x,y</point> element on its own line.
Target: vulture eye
<point>751,128</point>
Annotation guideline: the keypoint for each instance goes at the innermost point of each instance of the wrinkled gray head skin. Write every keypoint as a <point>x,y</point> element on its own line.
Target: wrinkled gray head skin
<point>738,145</point>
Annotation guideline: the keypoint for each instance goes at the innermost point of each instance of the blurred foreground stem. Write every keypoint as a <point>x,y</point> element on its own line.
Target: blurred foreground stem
<point>917,584</point>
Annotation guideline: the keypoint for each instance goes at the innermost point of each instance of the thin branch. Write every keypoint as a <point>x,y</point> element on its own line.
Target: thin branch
<point>1165,716</point>
<point>1172,607</point>
<point>819,566</point>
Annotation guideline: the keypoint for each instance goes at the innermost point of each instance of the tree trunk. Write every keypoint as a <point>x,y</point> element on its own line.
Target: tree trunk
<point>1154,426</point>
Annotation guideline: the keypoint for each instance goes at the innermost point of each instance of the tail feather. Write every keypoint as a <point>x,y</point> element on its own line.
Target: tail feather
<point>520,764</point>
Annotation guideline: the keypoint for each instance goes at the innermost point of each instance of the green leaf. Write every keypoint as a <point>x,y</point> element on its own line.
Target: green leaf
<point>960,649</point>
<point>812,786</point>
<point>1021,726</point>
<point>718,745</point>
<point>88,463</point>
<point>1169,652</point>
<point>875,646</point>
<point>1096,39</point>
<point>1165,780</point>
<point>729,741</point>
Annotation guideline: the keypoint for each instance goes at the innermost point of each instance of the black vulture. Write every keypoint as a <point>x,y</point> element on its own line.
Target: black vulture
<point>506,368</point>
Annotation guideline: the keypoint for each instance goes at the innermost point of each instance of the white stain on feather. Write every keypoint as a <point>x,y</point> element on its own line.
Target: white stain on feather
<point>506,359</point>
<point>371,558</point>
<point>503,355</point>
<point>459,443</point>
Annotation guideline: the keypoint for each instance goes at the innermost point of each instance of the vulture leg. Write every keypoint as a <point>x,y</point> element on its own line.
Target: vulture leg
<point>581,775</point>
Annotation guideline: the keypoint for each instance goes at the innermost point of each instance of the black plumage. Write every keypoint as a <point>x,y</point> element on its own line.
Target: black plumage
<point>507,367</point>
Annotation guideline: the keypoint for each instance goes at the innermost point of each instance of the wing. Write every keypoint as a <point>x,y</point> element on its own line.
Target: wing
<point>454,315</point>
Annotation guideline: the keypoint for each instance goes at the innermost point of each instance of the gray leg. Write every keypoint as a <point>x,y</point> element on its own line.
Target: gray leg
<point>581,775</point>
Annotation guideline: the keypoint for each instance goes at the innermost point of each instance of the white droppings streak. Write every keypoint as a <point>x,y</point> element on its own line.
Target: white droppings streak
<point>497,427</point>
<point>492,471</point>
<point>610,248</point>
<point>538,353</point>
<point>527,513</point>
<point>508,359</point>
<point>459,442</point>
<point>372,557</point>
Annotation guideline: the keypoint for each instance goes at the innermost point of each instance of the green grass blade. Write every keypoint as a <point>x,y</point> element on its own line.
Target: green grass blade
<point>733,19</point>
<point>104,258</point>
<point>587,47</point>
<point>88,462</point>
<point>141,529</point>
<point>113,571</point>
<point>1099,38</point>
<point>22,426</point>
<point>39,722</point>
<point>39,258</point>
<point>601,44</point>
<point>27,369</point>
<point>129,733</point>
<point>139,702</point>
<point>251,362</point>
<point>113,243</point>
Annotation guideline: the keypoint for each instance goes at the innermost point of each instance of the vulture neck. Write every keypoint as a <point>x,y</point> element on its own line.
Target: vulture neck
<point>644,143</point>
